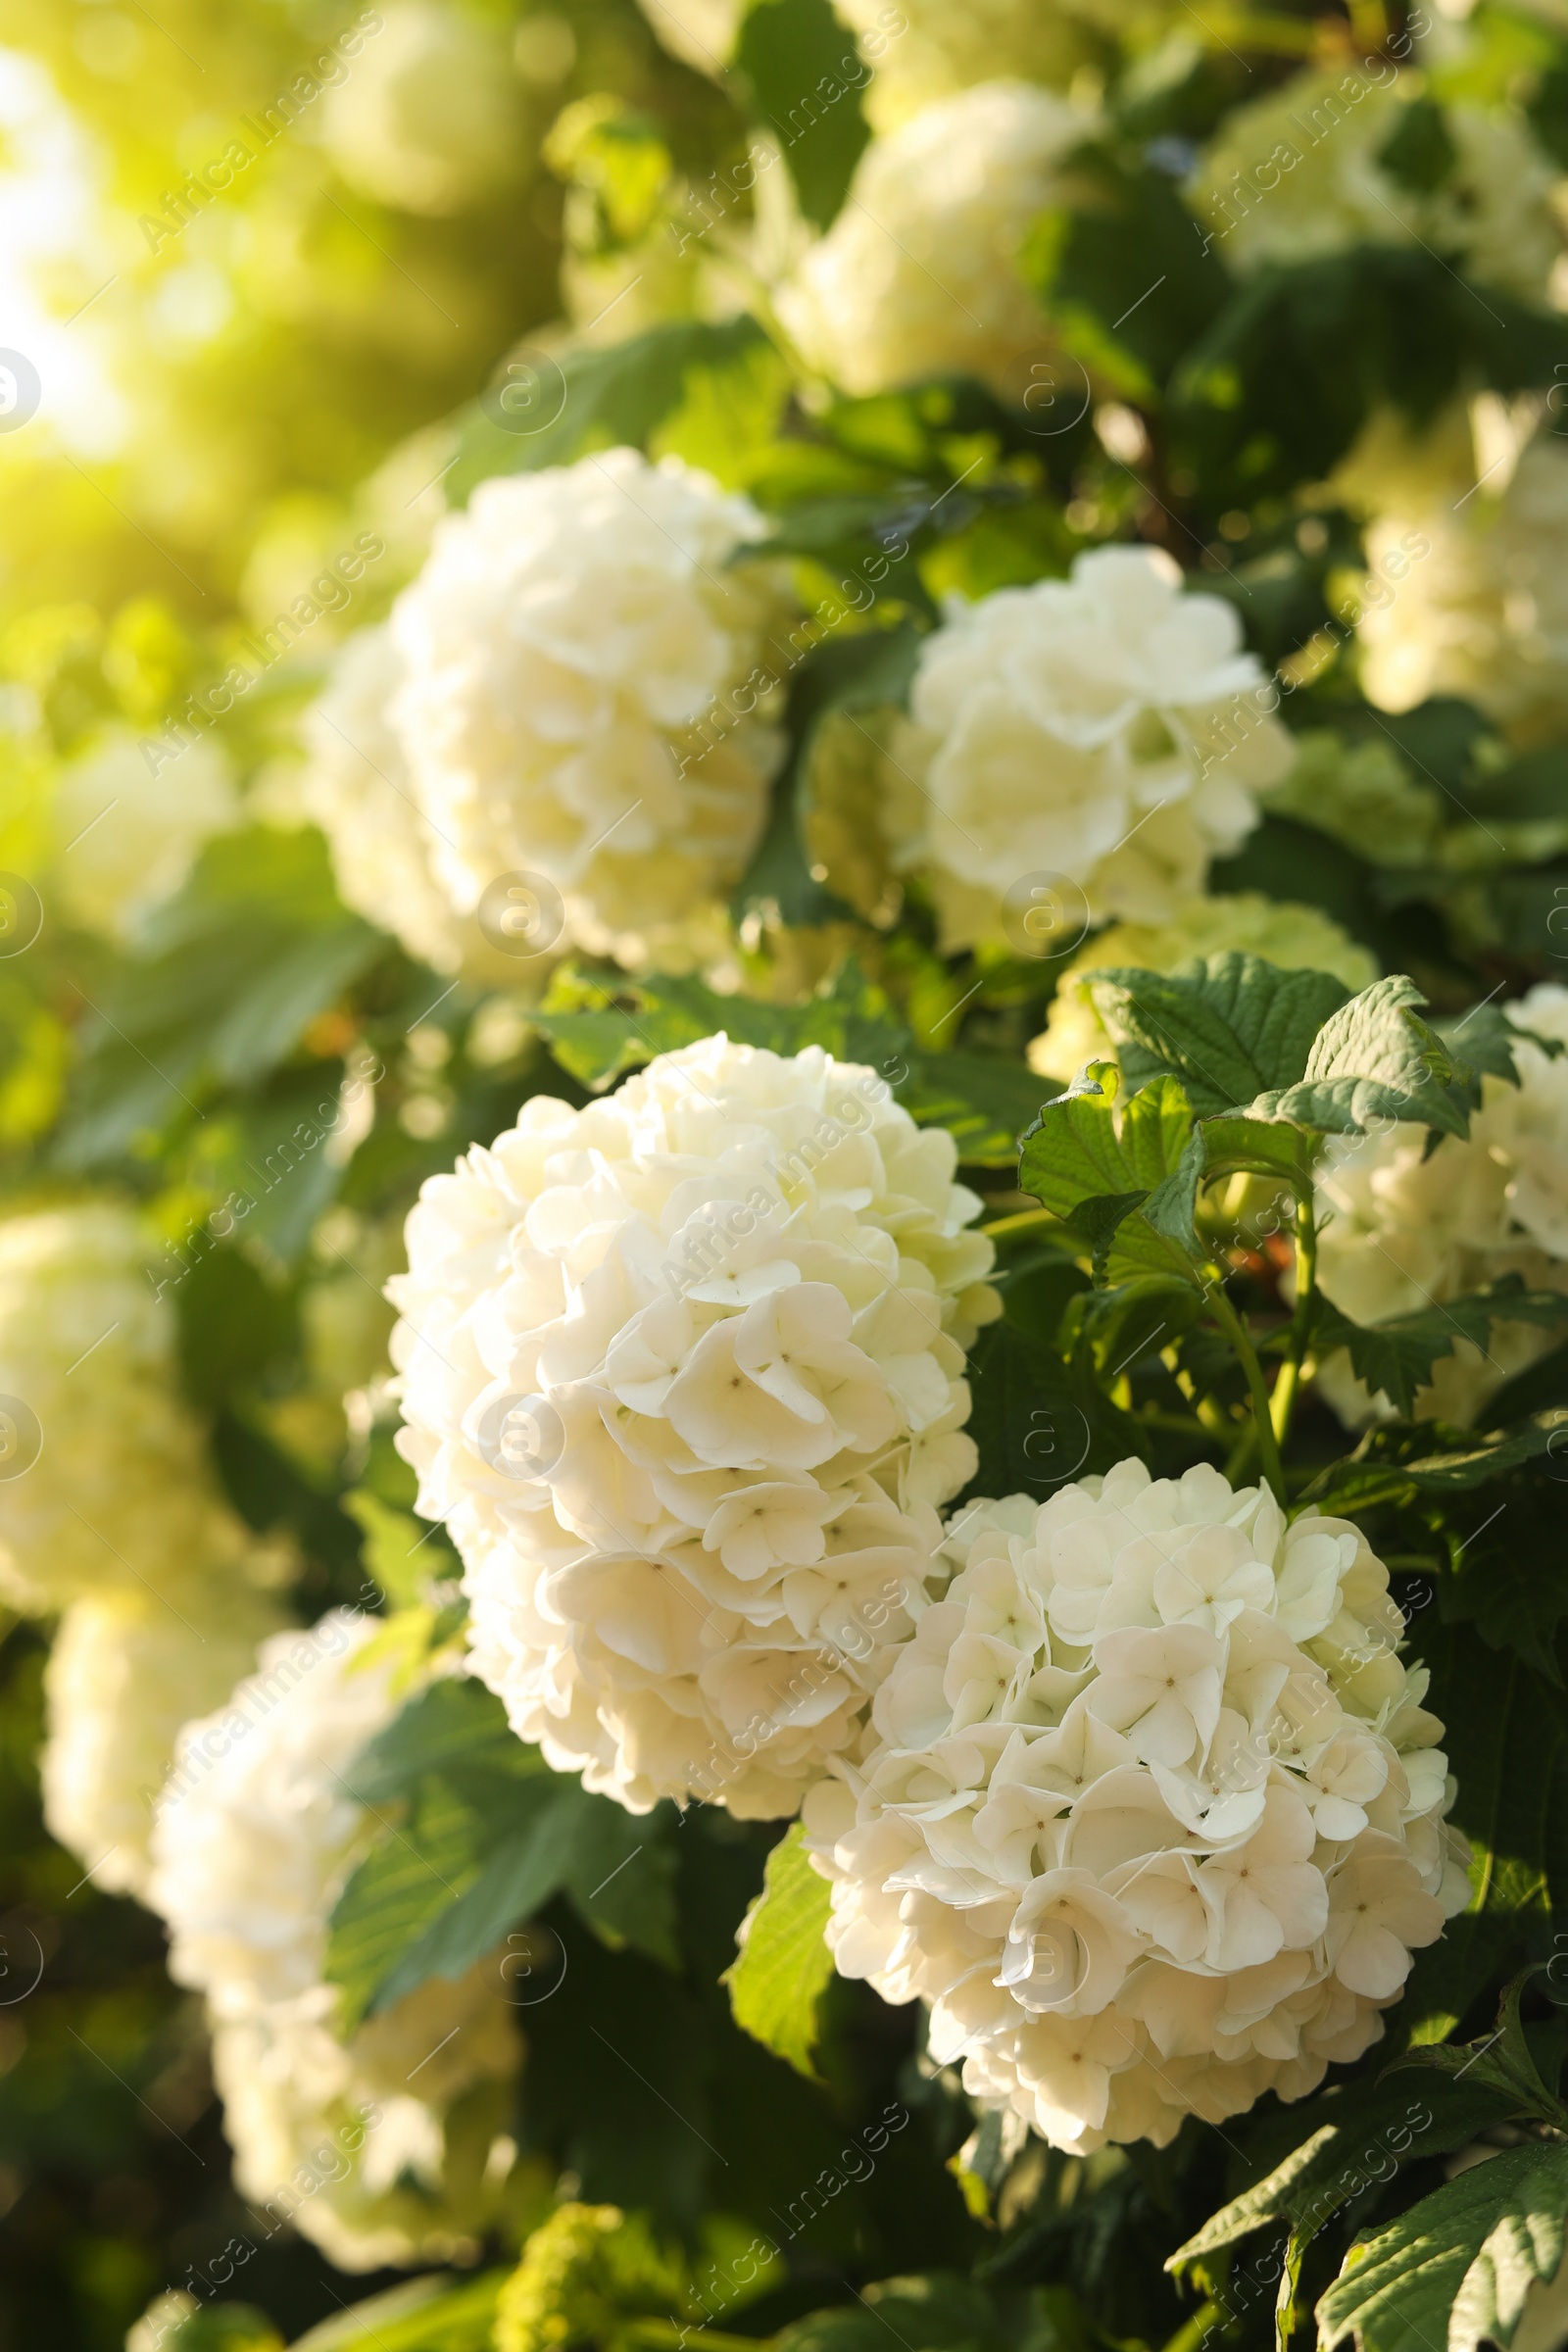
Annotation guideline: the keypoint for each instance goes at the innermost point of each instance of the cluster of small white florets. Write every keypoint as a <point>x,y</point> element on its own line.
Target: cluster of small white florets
<point>106,1482</point>
<point>1471,522</point>
<point>428,115</point>
<point>386,2144</point>
<point>683,1374</point>
<point>1401,1228</point>
<point>1149,1812</point>
<point>1304,172</point>
<point>127,1669</point>
<point>1106,730</point>
<point>919,274</point>
<point>582,704</point>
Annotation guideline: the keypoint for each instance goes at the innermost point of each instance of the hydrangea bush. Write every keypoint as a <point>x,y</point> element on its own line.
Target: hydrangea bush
<point>783,1318</point>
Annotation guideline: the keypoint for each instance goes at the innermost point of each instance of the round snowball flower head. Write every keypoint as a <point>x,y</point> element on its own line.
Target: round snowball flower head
<point>582,673</point>
<point>1297,938</point>
<point>1108,731</point>
<point>127,831</point>
<point>683,1374</point>
<point>1470,530</point>
<point>1150,1813</point>
<point>104,1475</point>
<point>428,116</point>
<point>127,1670</point>
<point>1401,1230</point>
<point>400,2125</point>
<point>919,274</point>
<point>925,49</point>
<point>1316,167</point>
<point>357,787</point>
<point>699,33</point>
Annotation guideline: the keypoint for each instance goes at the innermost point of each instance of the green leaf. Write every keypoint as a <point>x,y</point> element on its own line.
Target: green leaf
<point>1229,1027</point>
<point>1373,2127</point>
<point>804,79</point>
<point>1073,1155</point>
<point>853,1020</point>
<point>859,672</point>
<point>933,2314</point>
<point>1038,1419</point>
<point>1375,1060</point>
<point>230,972</point>
<point>433,2314</point>
<point>985,1103</point>
<point>1456,2268</point>
<point>784,1967</point>
<point>401,1552</point>
<point>599,397</point>
<point>1503,2062</point>
<point>1396,1357</point>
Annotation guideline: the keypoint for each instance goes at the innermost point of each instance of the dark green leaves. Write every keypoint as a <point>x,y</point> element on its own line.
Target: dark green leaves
<point>231,970</point>
<point>1229,1027</point>
<point>784,1966</point>
<point>805,80</point>
<point>1457,2268</point>
<point>1396,1357</point>
<point>489,1835</point>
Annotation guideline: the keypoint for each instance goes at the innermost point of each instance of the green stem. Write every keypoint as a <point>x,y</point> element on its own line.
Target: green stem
<point>1288,1386</point>
<point>1235,1330</point>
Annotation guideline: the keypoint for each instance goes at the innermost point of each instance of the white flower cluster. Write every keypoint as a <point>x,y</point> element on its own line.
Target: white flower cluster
<point>1306,171</point>
<point>1106,729</point>
<point>428,118</point>
<point>1401,1231</point>
<point>1484,611</point>
<point>683,1373</point>
<point>919,275</point>
<point>127,1669</point>
<point>357,787</point>
<point>386,2145</point>
<point>106,1484</point>
<point>1297,938</point>
<point>125,837</point>
<point>924,50</point>
<point>575,656</point>
<point>1150,1814</point>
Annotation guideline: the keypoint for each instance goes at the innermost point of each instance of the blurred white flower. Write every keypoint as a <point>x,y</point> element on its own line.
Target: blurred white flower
<point>105,1483</point>
<point>1401,1231</point>
<point>581,678</point>
<point>1107,729</point>
<point>683,1373</point>
<point>1471,522</point>
<point>1299,938</point>
<point>126,1670</point>
<point>428,116</point>
<point>920,273</point>
<point>253,1841</point>
<point>699,33</point>
<point>1149,1812</point>
<point>125,837</point>
<point>924,50</point>
<point>1314,167</point>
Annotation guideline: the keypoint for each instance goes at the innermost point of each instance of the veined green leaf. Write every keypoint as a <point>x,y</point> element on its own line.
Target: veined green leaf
<point>1074,1155</point>
<point>784,1966</point>
<point>1458,2267</point>
<point>1396,1357</point>
<point>1376,1060</point>
<point>1229,1027</point>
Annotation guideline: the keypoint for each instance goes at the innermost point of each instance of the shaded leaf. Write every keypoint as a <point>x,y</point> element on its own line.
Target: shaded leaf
<point>1229,1027</point>
<point>1457,2268</point>
<point>1395,1358</point>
